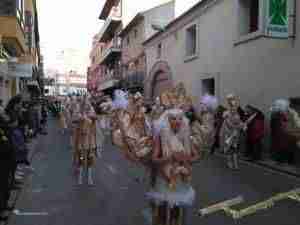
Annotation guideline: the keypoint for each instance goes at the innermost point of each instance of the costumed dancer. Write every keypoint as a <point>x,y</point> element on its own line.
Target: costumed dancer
<point>130,130</point>
<point>75,116</point>
<point>67,112</point>
<point>74,113</point>
<point>86,142</point>
<point>62,117</point>
<point>202,127</point>
<point>231,131</point>
<point>173,155</point>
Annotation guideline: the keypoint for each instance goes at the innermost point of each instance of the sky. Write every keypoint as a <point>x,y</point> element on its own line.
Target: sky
<point>67,28</point>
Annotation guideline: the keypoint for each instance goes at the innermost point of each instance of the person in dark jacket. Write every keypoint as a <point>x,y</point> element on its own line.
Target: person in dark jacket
<point>282,142</point>
<point>219,119</point>
<point>44,115</point>
<point>7,162</point>
<point>255,133</point>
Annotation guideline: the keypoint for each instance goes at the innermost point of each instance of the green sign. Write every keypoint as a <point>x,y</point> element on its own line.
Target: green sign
<point>277,18</point>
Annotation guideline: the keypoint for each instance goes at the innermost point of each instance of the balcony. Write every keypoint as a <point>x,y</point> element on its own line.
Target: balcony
<point>110,79</point>
<point>112,51</point>
<point>111,24</point>
<point>13,37</point>
<point>134,81</point>
<point>109,4</point>
<point>12,32</point>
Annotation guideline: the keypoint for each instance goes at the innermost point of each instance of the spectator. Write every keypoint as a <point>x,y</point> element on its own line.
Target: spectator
<point>18,142</point>
<point>255,133</point>
<point>44,119</point>
<point>219,119</point>
<point>7,165</point>
<point>281,140</point>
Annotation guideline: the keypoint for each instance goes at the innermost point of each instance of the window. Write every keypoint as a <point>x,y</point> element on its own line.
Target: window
<point>191,41</point>
<point>135,33</point>
<point>208,86</point>
<point>249,16</point>
<point>159,47</point>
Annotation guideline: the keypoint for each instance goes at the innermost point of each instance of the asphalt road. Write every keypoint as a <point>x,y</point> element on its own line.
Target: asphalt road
<point>118,199</point>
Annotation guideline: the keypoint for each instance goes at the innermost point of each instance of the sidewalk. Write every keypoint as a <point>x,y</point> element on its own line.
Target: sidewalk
<point>282,168</point>
<point>16,193</point>
<point>267,162</point>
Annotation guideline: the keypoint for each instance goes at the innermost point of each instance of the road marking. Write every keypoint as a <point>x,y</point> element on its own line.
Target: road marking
<point>293,195</point>
<point>19,213</point>
<point>220,206</point>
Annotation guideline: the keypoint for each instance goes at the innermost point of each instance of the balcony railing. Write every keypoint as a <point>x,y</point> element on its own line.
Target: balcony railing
<point>111,24</point>
<point>113,45</point>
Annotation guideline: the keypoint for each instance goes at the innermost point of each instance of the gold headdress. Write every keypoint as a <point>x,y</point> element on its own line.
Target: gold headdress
<point>176,98</point>
<point>233,100</point>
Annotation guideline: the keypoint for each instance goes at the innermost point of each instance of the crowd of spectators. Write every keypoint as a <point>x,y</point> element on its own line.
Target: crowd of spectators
<point>20,122</point>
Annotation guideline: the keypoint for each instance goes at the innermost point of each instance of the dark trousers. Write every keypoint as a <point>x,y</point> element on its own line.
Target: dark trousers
<point>7,180</point>
<point>254,150</point>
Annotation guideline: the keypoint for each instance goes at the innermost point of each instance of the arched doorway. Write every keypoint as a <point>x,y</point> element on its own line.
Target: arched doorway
<point>159,80</point>
<point>160,84</point>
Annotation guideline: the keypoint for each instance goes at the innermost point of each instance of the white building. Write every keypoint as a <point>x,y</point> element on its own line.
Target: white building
<point>225,46</point>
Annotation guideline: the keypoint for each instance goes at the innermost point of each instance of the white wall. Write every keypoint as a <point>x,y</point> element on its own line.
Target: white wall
<point>181,6</point>
<point>162,15</point>
<point>260,70</point>
<point>132,7</point>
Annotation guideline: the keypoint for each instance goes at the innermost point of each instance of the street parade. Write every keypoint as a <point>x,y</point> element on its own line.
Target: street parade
<point>164,139</point>
<point>154,112</point>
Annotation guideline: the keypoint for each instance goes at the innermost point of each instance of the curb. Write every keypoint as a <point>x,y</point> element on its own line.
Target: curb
<point>266,166</point>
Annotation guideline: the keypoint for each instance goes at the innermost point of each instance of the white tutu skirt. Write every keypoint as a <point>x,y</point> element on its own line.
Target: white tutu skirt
<point>183,195</point>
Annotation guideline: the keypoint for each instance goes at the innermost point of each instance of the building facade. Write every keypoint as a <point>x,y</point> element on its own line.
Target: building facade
<point>116,15</point>
<point>71,83</point>
<point>221,47</point>
<point>110,51</point>
<point>95,73</point>
<point>133,36</point>
<point>19,46</point>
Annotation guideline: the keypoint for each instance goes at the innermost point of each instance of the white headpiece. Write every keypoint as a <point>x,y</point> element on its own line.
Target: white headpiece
<point>138,95</point>
<point>280,105</point>
<point>211,102</point>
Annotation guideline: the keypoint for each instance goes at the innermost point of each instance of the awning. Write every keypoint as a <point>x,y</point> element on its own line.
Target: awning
<point>108,84</point>
<point>3,69</point>
<point>20,70</point>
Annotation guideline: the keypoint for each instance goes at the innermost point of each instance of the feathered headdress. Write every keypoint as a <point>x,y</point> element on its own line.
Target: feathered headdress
<point>211,102</point>
<point>120,100</point>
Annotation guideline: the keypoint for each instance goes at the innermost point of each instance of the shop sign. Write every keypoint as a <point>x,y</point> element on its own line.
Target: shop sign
<point>277,18</point>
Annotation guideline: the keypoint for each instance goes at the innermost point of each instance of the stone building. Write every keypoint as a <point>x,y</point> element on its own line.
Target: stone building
<point>250,48</point>
<point>133,36</point>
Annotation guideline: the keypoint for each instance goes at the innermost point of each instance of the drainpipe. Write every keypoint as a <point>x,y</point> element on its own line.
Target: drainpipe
<point>294,19</point>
